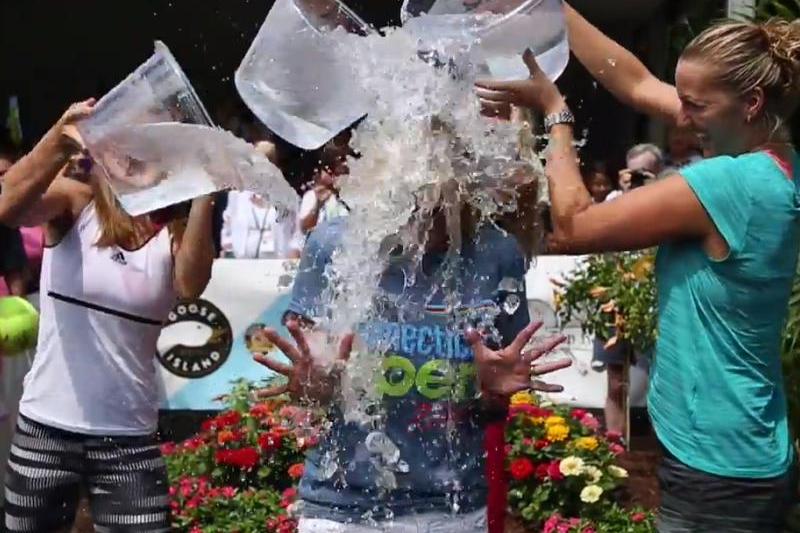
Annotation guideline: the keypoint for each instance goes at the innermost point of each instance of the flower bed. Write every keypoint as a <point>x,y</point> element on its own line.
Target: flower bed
<point>564,473</point>
<point>238,474</point>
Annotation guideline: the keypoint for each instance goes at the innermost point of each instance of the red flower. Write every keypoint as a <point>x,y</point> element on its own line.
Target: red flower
<point>541,444</point>
<point>288,497</point>
<point>260,410</point>
<point>541,471</point>
<point>208,425</point>
<point>527,441</point>
<point>508,448</point>
<point>282,524</point>
<point>231,418</point>
<point>168,448</point>
<point>296,471</point>
<point>614,436</point>
<point>193,444</point>
<point>577,414</point>
<point>637,518</point>
<point>521,469</point>
<point>228,492</point>
<point>270,442</point>
<point>244,458</point>
<point>554,472</point>
<point>194,503</point>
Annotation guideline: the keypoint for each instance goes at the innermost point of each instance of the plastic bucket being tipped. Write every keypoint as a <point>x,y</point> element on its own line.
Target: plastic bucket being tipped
<point>297,78</point>
<point>494,32</point>
<point>157,92</point>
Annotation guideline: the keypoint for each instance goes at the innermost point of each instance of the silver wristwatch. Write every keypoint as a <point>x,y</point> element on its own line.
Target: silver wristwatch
<point>564,116</point>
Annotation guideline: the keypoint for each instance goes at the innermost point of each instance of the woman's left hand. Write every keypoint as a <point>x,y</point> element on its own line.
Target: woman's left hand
<point>501,373</point>
<point>537,92</point>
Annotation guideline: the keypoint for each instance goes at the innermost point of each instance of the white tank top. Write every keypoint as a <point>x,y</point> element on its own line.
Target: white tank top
<point>101,312</point>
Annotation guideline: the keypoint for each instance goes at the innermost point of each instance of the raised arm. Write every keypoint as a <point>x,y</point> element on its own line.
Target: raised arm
<point>27,181</point>
<point>619,71</point>
<point>194,250</point>
<point>661,212</point>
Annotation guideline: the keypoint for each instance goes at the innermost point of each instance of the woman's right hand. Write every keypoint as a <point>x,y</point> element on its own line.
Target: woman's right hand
<point>66,129</point>
<point>308,380</point>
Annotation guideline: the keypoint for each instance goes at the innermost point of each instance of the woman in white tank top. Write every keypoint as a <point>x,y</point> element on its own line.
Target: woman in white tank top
<point>89,409</point>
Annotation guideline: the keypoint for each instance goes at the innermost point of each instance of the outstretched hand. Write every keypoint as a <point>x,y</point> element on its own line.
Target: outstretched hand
<point>308,380</point>
<point>509,370</point>
<point>536,92</point>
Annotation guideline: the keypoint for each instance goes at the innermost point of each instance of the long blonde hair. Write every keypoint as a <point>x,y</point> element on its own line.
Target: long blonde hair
<point>118,228</point>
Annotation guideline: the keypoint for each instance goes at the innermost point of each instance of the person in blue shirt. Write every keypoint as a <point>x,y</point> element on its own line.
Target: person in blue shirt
<point>441,383</point>
<point>728,231</point>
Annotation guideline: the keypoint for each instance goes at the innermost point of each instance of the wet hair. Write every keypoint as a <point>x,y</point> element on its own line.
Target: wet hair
<point>748,55</point>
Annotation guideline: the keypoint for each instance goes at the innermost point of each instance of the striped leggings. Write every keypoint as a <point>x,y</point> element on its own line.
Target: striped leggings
<point>125,478</point>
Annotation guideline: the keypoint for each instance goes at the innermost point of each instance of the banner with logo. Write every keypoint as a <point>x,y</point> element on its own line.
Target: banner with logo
<point>207,344</point>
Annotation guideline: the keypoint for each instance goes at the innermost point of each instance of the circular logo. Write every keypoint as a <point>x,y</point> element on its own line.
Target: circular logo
<point>196,339</point>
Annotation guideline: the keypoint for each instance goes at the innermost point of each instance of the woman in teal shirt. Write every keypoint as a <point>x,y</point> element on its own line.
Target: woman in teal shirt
<point>728,231</point>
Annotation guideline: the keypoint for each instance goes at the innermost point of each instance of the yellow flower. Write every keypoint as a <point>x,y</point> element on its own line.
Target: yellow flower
<point>571,466</point>
<point>591,493</point>
<point>586,443</point>
<point>522,398</point>
<point>537,420</point>
<point>557,433</point>
<point>558,300</point>
<point>555,421</point>
<point>593,472</point>
<point>643,267</point>
<point>616,471</point>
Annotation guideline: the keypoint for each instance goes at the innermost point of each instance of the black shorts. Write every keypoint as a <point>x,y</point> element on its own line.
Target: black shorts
<point>696,502</point>
<point>48,469</point>
<point>12,251</point>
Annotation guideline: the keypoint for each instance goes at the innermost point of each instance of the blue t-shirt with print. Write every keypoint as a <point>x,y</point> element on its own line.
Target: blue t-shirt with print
<point>716,395</point>
<point>427,382</point>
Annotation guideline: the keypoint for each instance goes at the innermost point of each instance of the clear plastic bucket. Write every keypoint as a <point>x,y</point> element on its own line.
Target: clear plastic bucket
<point>296,79</point>
<point>495,33</point>
<point>156,93</point>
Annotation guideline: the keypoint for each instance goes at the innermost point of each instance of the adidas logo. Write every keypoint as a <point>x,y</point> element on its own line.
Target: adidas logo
<point>118,257</point>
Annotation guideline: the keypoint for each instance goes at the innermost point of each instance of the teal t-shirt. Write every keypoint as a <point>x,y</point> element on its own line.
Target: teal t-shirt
<point>716,389</point>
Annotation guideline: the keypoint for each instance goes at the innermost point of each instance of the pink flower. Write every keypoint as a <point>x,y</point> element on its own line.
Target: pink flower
<point>637,518</point>
<point>590,422</point>
<point>563,528</point>
<point>228,492</point>
<point>616,449</point>
<point>578,414</point>
<point>168,448</point>
<point>614,436</point>
<point>588,530</point>
<point>551,524</point>
<point>195,529</point>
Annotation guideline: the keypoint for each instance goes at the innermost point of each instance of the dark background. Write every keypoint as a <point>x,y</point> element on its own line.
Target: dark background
<point>54,52</point>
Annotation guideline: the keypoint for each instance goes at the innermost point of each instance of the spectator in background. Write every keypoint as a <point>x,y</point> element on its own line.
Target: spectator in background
<point>644,162</point>
<point>597,180</point>
<point>254,229</point>
<point>682,148</point>
<point>13,263</point>
<point>322,202</point>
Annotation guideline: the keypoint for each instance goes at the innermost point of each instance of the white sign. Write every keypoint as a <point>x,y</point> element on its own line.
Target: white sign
<point>203,348</point>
